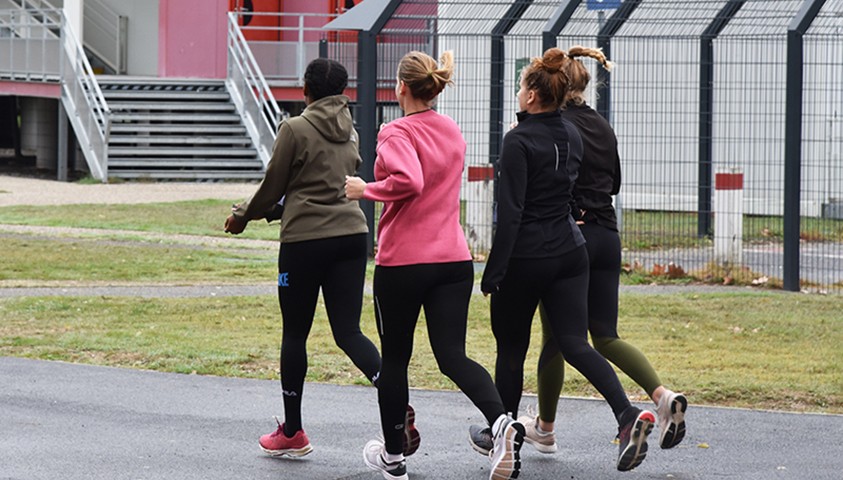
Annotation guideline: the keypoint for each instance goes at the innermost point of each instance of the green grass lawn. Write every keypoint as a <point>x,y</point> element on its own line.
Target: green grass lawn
<point>750,348</point>
<point>757,350</point>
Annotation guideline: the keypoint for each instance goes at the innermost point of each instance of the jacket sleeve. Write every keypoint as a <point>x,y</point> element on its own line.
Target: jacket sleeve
<point>404,179</point>
<point>275,180</point>
<point>512,192</point>
<point>616,179</point>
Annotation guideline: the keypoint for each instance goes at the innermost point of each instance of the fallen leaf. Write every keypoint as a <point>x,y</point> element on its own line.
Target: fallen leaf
<point>675,271</point>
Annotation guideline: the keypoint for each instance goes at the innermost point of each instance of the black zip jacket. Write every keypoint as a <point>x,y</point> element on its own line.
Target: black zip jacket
<point>538,167</point>
<point>600,172</point>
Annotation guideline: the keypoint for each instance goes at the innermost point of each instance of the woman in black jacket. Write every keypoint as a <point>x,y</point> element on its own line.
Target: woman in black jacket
<point>539,254</point>
<point>599,178</point>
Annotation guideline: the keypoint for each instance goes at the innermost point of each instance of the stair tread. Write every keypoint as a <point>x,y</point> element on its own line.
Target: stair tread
<point>180,106</point>
<point>183,161</point>
<point>176,140</point>
<point>175,129</point>
<point>187,174</point>
<point>220,117</point>
<point>192,151</point>
<point>118,94</point>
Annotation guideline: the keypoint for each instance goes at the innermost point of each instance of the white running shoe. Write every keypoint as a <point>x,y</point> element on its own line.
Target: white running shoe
<point>671,412</point>
<point>506,452</point>
<point>374,459</point>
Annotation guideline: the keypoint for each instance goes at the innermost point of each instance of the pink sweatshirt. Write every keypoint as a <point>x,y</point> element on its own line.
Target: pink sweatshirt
<point>418,173</point>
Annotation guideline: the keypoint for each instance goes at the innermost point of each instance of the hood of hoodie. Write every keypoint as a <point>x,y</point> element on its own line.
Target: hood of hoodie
<point>331,117</point>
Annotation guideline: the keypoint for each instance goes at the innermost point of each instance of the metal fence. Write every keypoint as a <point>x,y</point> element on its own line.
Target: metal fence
<point>729,116</point>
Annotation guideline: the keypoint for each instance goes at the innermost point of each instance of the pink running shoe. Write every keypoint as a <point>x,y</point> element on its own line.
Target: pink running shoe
<point>412,439</point>
<point>279,445</point>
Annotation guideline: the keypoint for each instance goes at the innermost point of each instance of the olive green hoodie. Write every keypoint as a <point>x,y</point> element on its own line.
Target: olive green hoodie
<point>310,159</point>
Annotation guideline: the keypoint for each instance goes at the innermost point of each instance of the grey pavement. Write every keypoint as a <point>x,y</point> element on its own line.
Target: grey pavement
<point>69,421</point>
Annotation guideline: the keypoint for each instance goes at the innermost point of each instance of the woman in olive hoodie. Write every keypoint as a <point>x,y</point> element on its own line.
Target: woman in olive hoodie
<point>323,239</point>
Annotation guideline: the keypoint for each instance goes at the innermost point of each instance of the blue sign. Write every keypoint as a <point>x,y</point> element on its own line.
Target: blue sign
<point>602,4</point>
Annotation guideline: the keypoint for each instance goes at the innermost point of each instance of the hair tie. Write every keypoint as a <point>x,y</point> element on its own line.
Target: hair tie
<point>429,73</point>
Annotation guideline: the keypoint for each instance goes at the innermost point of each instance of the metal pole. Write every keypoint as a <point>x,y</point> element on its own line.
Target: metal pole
<point>793,140</point>
<point>367,55</point>
<point>63,143</point>
<point>557,22</point>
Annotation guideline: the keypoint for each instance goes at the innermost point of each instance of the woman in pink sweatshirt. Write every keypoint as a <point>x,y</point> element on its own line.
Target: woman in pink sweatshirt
<point>423,261</point>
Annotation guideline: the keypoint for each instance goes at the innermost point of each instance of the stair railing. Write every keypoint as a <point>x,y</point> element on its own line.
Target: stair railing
<point>106,35</point>
<point>84,103</point>
<point>30,45</point>
<point>250,92</point>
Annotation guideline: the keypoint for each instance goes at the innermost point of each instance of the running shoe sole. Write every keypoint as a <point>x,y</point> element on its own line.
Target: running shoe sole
<point>675,431</point>
<point>412,439</point>
<point>289,452</point>
<point>508,464</point>
<point>636,450</point>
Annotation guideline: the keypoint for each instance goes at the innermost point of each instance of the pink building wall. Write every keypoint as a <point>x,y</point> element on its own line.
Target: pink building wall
<point>192,38</point>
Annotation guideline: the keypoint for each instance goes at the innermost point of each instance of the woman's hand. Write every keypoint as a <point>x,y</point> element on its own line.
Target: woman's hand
<point>354,187</point>
<point>234,225</point>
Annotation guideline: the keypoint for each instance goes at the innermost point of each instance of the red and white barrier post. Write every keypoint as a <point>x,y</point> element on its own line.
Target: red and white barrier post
<point>479,194</point>
<point>728,217</point>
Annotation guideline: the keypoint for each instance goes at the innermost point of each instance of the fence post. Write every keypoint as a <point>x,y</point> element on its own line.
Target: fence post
<point>367,55</point>
<point>496,77</point>
<point>793,140</point>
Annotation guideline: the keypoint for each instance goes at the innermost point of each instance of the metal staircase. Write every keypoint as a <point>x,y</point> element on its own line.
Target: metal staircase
<point>176,129</point>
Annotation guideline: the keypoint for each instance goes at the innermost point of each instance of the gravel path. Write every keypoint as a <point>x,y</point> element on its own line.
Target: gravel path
<point>16,190</point>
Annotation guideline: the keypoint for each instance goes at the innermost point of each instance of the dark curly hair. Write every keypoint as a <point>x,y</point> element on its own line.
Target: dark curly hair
<point>324,77</point>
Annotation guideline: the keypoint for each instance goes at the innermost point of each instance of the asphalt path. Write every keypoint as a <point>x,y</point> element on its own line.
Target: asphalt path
<point>70,421</point>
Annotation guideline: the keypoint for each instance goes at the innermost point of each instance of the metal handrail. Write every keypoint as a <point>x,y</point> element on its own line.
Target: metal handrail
<point>250,92</point>
<point>29,46</point>
<point>106,34</point>
<point>85,103</point>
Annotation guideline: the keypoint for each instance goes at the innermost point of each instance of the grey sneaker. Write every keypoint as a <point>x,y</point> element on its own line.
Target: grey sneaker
<point>636,425</point>
<point>480,438</point>
<point>544,442</point>
<point>373,457</point>
<point>671,413</point>
<point>506,451</point>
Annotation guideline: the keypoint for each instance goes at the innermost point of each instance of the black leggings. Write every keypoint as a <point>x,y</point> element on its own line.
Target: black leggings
<point>561,284</point>
<point>338,266</point>
<point>444,290</point>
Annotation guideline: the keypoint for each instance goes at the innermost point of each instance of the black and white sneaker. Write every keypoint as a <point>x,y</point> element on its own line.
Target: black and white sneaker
<point>374,459</point>
<point>506,450</point>
<point>636,425</point>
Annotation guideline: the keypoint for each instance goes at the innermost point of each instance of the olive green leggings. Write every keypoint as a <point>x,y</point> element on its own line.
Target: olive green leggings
<point>551,369</point>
